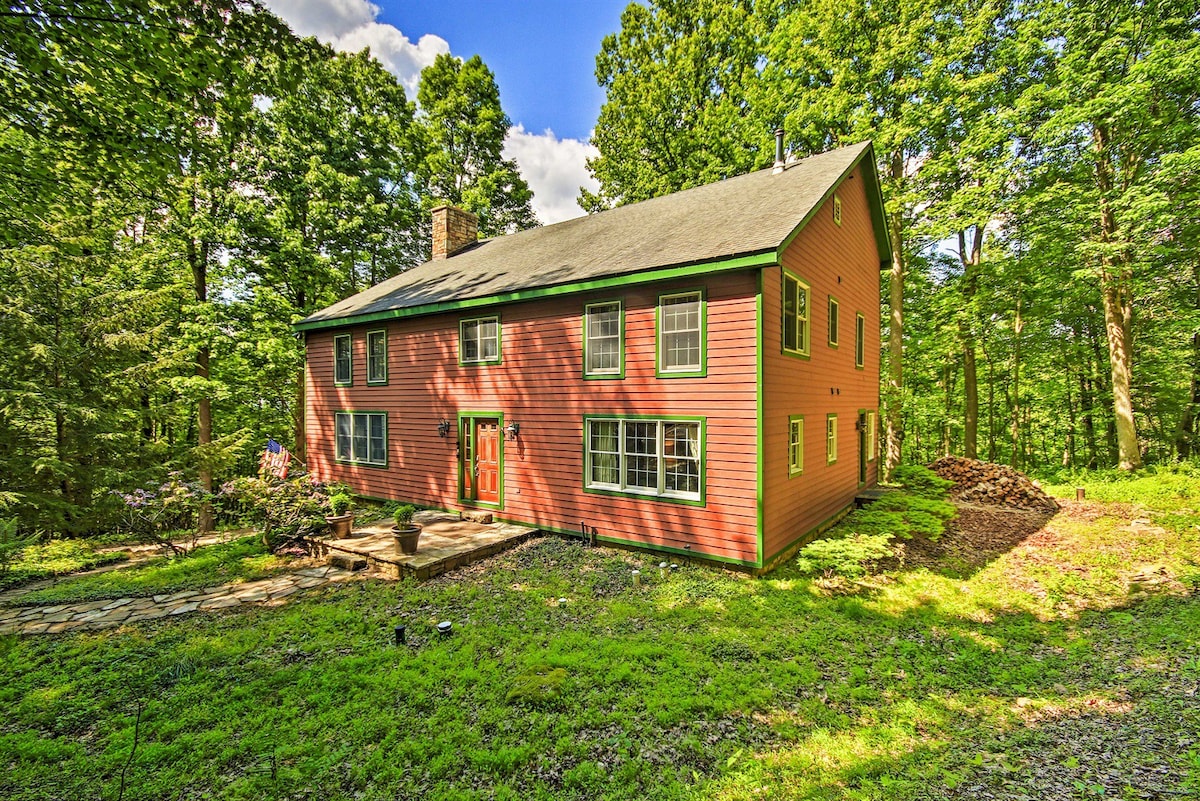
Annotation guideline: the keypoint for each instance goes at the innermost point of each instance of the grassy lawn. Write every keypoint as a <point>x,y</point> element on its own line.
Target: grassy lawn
<point>1029,670</point>
<point>55,558</point>
<point>245,559</point>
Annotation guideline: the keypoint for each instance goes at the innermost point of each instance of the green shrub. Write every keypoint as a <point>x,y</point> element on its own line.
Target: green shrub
<point>846,556</point>
<point>921,481</point>
<point>404,515</point>
<point>285,510</point>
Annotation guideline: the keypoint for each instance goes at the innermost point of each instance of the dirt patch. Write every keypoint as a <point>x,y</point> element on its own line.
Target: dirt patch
<point>977,535</point>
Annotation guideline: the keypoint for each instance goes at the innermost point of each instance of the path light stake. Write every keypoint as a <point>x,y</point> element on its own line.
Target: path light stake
<point>445,627</point>
<point>662,570</point>
<point>401,634</point>
<point>674,567</point>
<point>637,578</point>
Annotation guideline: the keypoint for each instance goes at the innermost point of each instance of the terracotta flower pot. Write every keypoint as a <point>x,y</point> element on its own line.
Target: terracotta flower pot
<point>340,526</point>
<point>406,538</point>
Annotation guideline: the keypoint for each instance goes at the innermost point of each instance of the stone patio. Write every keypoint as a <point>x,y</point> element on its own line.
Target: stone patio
<point>447,542</point>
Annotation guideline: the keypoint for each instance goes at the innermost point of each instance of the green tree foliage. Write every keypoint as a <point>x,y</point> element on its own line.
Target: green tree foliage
<point>463,127</point>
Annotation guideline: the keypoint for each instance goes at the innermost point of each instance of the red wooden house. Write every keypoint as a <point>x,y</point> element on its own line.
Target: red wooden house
<point>696,374</point>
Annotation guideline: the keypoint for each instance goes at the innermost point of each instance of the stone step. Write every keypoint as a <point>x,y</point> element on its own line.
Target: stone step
<point>348,561</point>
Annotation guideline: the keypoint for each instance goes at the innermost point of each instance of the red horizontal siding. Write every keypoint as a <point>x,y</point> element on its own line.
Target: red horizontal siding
<point>841,261</point>
<point>540,385</point>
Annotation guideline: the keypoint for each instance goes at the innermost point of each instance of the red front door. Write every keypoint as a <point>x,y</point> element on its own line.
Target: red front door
<point>487,461</point>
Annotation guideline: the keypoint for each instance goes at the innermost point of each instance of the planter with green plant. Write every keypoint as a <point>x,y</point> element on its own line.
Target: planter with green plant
<point>406,532</point>
<point>341,515</point>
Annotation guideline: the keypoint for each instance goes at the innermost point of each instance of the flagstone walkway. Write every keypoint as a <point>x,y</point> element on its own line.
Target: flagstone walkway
<point>105,614</point>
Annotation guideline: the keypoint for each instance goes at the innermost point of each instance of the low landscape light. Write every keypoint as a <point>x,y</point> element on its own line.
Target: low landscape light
<point>445,627</point>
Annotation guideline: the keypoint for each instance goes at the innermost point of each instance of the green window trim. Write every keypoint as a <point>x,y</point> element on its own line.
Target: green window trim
<point>624,462</point>
<point>833,322</point>
<point>831,438</point>
<point>693,369</point>
<point>795,445</point>
<point>377,366</point>
<point>860,340</point>
<point>366,449</point>
<point>796,315</point>
<point>589,372</point>
<point>343,377</point>
<point>474,329</point>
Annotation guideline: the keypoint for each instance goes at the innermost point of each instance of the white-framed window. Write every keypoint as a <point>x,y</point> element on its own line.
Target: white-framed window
<point>795,445</point>
<point>833,321</point>
<point>831,444</point>
<point>343,360</point>
<point>360,437</point>
<point>837,210</point>
<point>872,434</point>
<point>377,357</point>
<point>681,334</point>
<point>860,340</point>
<point>795,315</point>
<point>603,340</point>
<point>636,456</point>
<point>479,341</point>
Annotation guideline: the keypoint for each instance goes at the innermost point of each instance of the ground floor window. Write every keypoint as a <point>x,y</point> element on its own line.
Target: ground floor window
<point>830,438</point>
<point>795,445</point>
<point>361,437</point>
<point>872,435</point>
<point>636,456</point>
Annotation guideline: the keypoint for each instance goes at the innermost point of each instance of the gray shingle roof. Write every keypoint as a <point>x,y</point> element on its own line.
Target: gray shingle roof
<point>749,214</point>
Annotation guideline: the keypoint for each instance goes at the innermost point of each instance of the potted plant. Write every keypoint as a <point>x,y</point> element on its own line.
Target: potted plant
<point>340,517</point>
<point>406,532</point>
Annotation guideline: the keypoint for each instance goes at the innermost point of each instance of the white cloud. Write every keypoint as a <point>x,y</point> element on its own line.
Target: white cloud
<point>350,26</point>
<point>555,169</point>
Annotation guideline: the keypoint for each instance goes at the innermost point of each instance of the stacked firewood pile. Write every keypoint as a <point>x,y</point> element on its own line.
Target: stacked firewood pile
<point>994,484</point>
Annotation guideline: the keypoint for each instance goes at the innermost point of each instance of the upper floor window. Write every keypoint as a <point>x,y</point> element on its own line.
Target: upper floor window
<point>833,321</point>
<point>479,341</point>
<point>603,340</point>
<point>795,315</point>
<point>377,357</point>
<point>681,338</point>
<point>343,365</point>
<point>860,340</point>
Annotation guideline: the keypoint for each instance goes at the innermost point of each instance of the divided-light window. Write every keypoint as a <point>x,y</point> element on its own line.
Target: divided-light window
<point>603,335</point>
<point>377,357</point>
<point>872,435</point>
<point>830,438</point>
<point>343,366</point>
<point>795,445</point>
<point>681,334</point>
<point>361,437</point>
<point>833,321</point>
<point>795,315</point>
<point>662,458</point>
<point>860,340</point>
<point>479,341</point>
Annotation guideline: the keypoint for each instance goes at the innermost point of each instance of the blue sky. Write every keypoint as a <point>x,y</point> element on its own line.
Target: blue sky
<point>543,53</point>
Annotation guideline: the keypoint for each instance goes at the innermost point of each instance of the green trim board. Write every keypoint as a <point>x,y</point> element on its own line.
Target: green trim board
<point>759,447</point>
<point>660,456</point>
<point>765,258</point>
<point>377,382</point>
<point>349,380</point>
<point>470,418</point>
<point>489,318</point>
<point>587,311</point>
<point>702,370</point>
<point>386,436</point>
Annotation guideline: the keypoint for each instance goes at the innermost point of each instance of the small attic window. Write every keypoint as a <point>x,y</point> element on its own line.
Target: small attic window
<point>837,210</point>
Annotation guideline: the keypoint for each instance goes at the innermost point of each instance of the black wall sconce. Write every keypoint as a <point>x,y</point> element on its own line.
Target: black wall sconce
<point>444,429</point>
<point>512,431</point>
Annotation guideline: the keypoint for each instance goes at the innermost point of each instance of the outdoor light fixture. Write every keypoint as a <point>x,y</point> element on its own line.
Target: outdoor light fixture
<point>445,627</point>
<point>444,429</point>
<point>512,431</point>
<point>400,632</point>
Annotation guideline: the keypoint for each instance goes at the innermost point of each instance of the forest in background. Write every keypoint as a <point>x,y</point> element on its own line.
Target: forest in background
<point>180,181</point>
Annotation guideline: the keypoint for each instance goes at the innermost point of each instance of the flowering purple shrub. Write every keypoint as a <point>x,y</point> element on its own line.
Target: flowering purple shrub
<point>154,513</point>
<point>285,509</point>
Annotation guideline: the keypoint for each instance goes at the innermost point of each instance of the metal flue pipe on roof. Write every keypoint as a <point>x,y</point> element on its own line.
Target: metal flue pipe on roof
<point>779,163</point>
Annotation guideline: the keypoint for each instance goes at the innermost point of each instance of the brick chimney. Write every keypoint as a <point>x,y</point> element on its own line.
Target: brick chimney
<point>453,230</point>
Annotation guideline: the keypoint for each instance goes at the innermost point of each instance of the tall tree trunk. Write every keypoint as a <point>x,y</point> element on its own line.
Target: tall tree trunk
<point>895,380</point>
<point>1185,434</point>
<point>970,257</point>
<point>198,256</point>
<point>948,401</point>
<point>1018,325</point>
<point>1116,289</point>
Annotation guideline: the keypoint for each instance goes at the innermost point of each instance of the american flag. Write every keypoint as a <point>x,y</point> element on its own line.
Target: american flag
<point>274,461</point>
